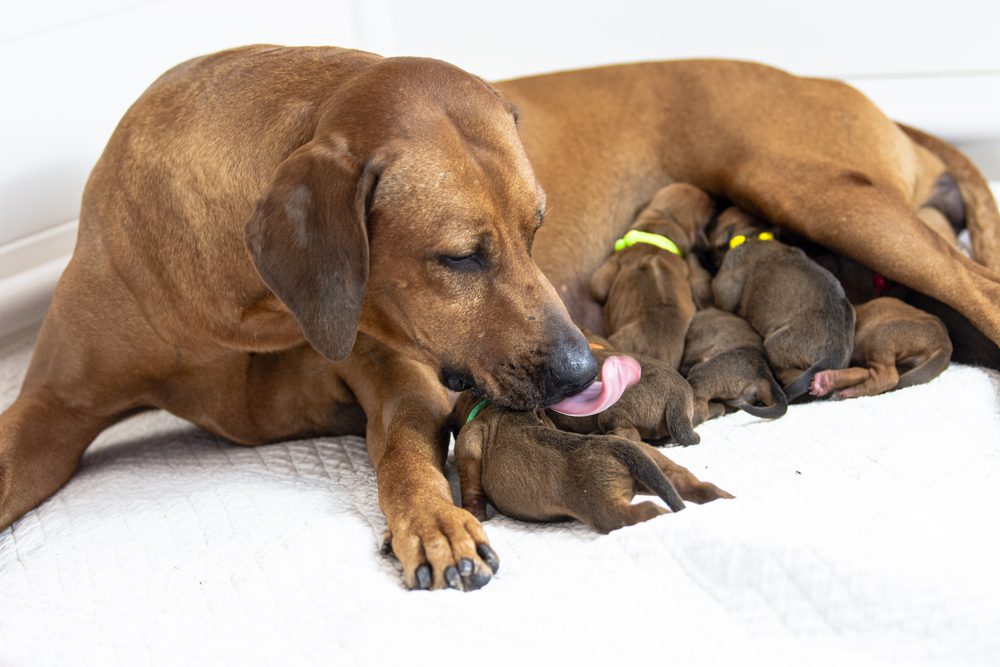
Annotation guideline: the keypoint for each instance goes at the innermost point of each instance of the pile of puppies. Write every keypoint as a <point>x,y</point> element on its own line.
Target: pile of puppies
<point>770,327</point>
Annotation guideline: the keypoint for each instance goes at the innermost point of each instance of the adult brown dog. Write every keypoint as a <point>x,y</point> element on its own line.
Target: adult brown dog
<point>396,201</point>
<point>282,242</point>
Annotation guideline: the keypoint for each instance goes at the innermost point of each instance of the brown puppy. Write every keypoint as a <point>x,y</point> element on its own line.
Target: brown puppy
<point>660,407</point>
<point>895,346</point>
<point>530,470</point>
<point>725,365</point>
<point>798,307</point>
<point>280,242</point>
<point>644,284</point>
<point>813,156</point>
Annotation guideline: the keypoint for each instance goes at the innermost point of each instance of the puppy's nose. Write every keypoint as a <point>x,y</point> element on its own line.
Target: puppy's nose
<point>572,368</point>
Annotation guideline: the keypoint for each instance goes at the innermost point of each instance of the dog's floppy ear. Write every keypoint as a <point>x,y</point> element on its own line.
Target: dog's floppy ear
<point>309,241</point>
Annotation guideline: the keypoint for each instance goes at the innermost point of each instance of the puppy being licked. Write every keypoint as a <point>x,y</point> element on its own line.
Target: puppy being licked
<point>657,408</point>
<point>798,307</point>
<point>532,471</point>
<point>895,346</point>
<point>725,365</point>
<point>643,285</point>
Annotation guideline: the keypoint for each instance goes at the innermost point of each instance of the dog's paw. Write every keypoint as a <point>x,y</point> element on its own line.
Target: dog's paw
<point>822,384</point>
<point>442,547</point>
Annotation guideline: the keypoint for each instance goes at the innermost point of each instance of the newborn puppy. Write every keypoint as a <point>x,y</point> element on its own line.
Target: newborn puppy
<point>798,307</point>
<point>660,406</point>
<point>644,283</point>
<point>529,470</point>
<point>725,365</point>
<point>890,336</point>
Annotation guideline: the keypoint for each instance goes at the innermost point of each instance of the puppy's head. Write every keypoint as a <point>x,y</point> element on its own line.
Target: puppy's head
<point>410,217</point>
<point>732,223</point>
<point>679,211</point>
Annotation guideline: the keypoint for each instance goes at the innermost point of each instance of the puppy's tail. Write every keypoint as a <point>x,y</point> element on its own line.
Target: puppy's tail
<point>982,218</point>
<point>778,407</point>
<point>647,472</point>
<point>927,370</point>
<point>679,420</point>
<point>800,385</point>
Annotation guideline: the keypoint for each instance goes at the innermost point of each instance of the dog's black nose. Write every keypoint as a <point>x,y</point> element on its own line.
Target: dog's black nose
<point>572,368</point>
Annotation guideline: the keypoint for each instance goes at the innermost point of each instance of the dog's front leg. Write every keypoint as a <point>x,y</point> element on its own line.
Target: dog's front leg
<point>439,545</point>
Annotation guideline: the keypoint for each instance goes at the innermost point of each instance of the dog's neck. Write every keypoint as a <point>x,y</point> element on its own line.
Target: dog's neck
<point>667,225</point>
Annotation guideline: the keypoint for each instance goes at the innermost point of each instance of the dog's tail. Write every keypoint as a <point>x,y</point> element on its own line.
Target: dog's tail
<point>840,354</point>
<point>647,472</point>
<point>800,385</point>
<point>679,416</point>
<point>982,218</point>
<point>777,408</point>
<point>927,370</point>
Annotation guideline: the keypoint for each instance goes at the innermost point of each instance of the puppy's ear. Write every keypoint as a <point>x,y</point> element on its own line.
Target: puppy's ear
<point>308,239</point>
<point>604,276</point>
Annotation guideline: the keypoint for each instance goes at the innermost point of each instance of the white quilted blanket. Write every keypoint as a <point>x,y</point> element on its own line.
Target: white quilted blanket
<point>864,532</point>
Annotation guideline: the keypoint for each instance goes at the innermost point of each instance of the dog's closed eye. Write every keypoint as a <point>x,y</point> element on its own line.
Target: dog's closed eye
<point>473,262</point>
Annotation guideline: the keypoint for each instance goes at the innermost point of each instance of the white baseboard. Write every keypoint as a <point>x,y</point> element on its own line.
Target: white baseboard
<point>29,269</point>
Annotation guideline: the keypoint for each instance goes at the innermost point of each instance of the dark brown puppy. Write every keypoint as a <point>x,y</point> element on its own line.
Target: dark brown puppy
<point>660,407</point>
<point>895,346</point>
<point>798,307</point>
<point>644,285</point>
<point>725,365</point>
<point>530,470</point>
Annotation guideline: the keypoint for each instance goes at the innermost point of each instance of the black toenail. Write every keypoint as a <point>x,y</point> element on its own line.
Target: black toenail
<point>451,577</point>
<point>486,552</point>
<point>424,577</point>
<point>476,581</point>
<point>465,567</point>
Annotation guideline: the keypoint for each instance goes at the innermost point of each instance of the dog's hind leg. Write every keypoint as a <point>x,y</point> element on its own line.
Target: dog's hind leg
<point>77,385</point>
<point>875,224</point>
<point>688,486</point>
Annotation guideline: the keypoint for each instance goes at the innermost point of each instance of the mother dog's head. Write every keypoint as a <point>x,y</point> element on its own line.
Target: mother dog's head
<point>410,216</point>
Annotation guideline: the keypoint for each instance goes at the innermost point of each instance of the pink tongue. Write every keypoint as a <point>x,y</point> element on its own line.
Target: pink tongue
<point>617,374</point>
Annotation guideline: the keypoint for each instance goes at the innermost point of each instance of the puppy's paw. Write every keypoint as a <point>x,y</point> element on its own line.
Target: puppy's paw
<point>822,383</point>
<point>443,547</point>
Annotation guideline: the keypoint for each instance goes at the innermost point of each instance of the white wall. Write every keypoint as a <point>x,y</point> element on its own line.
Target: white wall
<point>69,69</point>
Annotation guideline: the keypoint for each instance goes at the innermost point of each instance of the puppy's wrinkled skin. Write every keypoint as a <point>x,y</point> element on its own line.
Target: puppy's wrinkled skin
<point>645,290</point>
<point>796,306</point>
<point>895,346</point>
<point>659,408</point>
<point>725,365</point>
<point>532,471</point>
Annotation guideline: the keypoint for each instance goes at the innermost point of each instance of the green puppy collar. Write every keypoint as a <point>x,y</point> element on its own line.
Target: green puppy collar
<point>634,236</point>
<point>476,410</point>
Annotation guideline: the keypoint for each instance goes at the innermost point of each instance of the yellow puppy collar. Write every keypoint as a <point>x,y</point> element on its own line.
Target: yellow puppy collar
<point>635,236</point>
<point>740,239</point>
